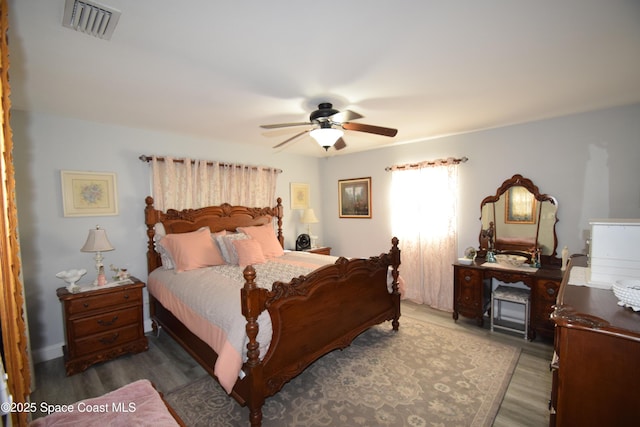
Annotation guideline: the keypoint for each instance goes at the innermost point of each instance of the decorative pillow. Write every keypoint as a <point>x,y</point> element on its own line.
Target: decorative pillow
<point>266,236</point>
<point>192,250</point>
<point>229,252</point>
<point>249,252</point>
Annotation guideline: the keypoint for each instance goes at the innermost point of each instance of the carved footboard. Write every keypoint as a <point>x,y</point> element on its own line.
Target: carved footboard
<point>313,315</point>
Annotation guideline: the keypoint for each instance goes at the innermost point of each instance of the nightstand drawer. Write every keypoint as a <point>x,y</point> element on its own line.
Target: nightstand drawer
<point>105,322</point>
<point>101,342</point>
<point>84,305</point>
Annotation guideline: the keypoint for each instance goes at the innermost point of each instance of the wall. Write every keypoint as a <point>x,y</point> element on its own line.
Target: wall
<point>45,145</point>
<point>587,161</point>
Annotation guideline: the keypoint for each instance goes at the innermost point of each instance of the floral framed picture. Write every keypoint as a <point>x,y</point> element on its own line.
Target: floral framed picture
<point>299,195</point>
<point>89,193</point>
<point>354,198</point>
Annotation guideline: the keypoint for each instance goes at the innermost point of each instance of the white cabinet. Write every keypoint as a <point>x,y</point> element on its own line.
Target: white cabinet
<point>614,252</point>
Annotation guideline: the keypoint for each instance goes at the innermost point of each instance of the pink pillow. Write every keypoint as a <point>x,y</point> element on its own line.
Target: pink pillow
<point>265,235</point>
<point>249,252</point>
<point>192,250</point>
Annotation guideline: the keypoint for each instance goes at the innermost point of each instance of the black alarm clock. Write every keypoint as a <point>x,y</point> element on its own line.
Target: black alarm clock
<point>303,242</point>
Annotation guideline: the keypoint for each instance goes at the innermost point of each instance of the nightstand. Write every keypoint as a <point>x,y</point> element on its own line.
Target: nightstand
<point>102,324</point>
<point>321,250</point>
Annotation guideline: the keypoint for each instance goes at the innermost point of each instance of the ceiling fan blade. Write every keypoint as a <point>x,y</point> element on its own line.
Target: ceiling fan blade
<point>340,144</point>
<point>292,138</point>
<point>345,116</point>
<point>284,125</point>
<point>379,130</point>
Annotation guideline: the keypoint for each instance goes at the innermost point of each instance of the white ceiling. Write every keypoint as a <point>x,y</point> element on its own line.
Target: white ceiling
<point>219,69</point>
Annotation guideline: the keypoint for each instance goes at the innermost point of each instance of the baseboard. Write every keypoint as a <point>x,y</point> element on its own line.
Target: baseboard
<point>148,326</point>
<point>47,353</point>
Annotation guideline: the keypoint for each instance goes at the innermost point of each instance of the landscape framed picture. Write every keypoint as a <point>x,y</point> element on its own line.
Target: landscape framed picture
<point>89,193</point>
<point>354,198</point>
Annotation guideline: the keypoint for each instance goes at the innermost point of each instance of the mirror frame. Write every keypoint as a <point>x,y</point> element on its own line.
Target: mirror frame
<point>515,181</point>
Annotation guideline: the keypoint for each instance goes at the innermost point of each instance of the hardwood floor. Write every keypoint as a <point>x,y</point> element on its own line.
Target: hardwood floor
<point>168,366</point>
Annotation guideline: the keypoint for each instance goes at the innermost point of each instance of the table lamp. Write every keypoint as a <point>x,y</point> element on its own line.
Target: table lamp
<point>98,242</point>
<point>309,217</point>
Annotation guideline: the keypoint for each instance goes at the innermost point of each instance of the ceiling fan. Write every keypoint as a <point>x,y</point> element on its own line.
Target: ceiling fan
<point>328,124</point>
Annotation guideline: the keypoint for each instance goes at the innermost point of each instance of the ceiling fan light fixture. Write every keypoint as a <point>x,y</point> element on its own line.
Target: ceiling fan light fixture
<point>326,137</point>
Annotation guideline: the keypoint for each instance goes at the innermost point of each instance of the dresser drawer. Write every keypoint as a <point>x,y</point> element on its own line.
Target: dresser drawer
<point>106,340</point>
<point>112,299</point>
<point>103,322</point>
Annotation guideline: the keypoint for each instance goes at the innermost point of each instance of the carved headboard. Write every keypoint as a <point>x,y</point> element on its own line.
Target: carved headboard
<point>217,218</point>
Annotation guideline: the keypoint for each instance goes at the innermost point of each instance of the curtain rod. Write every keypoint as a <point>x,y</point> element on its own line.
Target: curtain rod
<point>438,162</point>
<point>146,158</point>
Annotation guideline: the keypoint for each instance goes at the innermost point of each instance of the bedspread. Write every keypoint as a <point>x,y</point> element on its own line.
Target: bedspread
<point>207,301</point>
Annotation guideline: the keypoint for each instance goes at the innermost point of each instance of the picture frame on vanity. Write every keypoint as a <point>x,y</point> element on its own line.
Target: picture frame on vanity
<point>89,193</point>
<point>520,207</point>
<point>354,198</point>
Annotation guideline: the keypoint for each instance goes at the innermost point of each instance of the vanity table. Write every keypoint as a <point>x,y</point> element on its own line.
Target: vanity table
<point>519,220</point>
<point>472,292</point>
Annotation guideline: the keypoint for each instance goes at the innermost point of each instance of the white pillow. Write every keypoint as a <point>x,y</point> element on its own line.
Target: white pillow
<point>165,256</point>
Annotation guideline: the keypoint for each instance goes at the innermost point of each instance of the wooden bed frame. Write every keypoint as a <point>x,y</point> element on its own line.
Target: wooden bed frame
<point>311,315</point>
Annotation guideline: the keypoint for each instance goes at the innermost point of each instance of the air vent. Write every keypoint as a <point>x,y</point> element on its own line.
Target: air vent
<point>90,18</point>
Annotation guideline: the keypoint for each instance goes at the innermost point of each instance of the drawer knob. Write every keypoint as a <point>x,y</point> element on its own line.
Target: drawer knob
<point>551,291</point>
<point>467,278</point>
<point>109,340</point>
<point>86,304</point>
<point>102,322</point>
<point>126,296</point>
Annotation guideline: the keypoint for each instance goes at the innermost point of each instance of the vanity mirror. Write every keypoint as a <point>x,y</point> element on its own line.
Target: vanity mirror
<point>518,219</point>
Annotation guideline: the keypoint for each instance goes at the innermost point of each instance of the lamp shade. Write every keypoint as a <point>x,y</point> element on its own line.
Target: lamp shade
<point>326,137</point>
<point>309,217</point>
<point>97,241</point>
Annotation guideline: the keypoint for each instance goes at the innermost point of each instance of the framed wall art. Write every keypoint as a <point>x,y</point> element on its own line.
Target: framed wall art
<point>89,193</point>
<point>354,198</point>
<point>299,195</point>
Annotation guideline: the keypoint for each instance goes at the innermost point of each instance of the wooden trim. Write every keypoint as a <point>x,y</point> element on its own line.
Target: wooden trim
<point>12,312</point>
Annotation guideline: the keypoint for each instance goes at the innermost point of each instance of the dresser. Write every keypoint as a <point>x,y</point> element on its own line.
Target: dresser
<point>472,292</point>
<point>102,324</point>
<point>596,362</point>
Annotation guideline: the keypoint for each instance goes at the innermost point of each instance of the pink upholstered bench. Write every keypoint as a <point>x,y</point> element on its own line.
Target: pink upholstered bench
<point>136,404</point>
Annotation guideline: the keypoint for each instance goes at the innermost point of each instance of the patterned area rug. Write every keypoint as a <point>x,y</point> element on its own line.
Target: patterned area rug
<point>423,375</point>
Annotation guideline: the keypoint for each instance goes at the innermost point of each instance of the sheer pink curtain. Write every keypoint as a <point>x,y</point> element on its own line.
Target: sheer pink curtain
<point>191,184</point>
<point>424,201</point>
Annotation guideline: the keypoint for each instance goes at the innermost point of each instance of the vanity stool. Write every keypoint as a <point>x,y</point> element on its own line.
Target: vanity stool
<point>514,295</point>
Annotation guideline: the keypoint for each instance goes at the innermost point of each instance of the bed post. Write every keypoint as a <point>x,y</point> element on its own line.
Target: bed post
<point>394,254</point>
<point>253,299</point>
<point>150,219</point>
<point>279,213</point>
